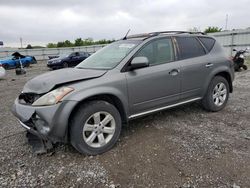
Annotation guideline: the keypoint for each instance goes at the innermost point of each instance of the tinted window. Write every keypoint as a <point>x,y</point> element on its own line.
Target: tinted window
<point>189,47</point>
<point>207,42</point>
<point>158,51</point>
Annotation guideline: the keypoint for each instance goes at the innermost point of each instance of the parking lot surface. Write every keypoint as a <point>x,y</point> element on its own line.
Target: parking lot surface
<point>181,147</point>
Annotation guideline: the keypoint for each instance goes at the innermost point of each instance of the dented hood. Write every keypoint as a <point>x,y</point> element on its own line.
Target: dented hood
<point>45,82</point>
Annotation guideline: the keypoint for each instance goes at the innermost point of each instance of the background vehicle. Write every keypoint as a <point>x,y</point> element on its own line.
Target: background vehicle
<point>2,72</point>
<point>239,59</point>
<point>127,79</point>
<point>14,60</point>
<point>67,60</point>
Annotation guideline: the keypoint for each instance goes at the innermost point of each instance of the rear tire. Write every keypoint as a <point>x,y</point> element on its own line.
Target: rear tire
<point>236,67</point>
<point>95,127</point>
<point>217,94</point>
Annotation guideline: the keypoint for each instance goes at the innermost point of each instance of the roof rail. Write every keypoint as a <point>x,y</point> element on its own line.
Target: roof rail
<point>152,34</point>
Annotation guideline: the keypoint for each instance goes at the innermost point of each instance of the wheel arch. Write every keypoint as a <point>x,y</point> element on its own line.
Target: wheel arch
<point>110,98</point>
<point>227,76</point>
<point>220,71</point>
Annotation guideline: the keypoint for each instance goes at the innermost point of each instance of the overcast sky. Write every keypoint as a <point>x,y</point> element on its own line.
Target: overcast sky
<point>41,21</point>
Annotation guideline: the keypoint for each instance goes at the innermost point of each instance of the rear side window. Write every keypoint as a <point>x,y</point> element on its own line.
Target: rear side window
<point>207,42</point>
<point>189,47</point>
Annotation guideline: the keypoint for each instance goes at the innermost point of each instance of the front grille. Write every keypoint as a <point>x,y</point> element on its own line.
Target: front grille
<point>28,98</point>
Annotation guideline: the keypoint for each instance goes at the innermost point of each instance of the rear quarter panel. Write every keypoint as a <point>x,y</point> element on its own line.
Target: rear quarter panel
<point>221,64</point>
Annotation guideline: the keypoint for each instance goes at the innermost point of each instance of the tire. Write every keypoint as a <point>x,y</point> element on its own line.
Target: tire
<point>65,65</point>
<point>27,64</point>
<point>83,127</point>
<point>216,98</point>
<point>236,67</point>
<point>244,67</point>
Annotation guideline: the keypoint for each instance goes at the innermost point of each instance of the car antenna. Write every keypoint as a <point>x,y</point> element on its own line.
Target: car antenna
<point>124,38</point>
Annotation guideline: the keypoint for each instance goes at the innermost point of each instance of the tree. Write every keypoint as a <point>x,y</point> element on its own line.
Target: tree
<point>29,46</point>
<point>67,43</point>
<point>78,42</point>
<point>212,29</point>
<point>51,45</point>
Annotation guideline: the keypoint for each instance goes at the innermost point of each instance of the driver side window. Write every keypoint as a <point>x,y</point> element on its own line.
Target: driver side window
<point>158,51</point>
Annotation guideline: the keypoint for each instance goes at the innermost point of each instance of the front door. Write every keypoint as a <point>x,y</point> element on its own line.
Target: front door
<point>158,85</point>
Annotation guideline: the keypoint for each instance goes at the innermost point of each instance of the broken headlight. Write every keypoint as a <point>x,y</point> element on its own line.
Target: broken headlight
<point>53,97</point>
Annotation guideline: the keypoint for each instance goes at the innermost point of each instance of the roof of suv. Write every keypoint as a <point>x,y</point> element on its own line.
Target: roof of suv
<point>144,36</point>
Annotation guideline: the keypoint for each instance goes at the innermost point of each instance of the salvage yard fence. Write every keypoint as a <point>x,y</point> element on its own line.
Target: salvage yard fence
<point>235,39</point>
<point>238,39</point>
<point>43,53</point>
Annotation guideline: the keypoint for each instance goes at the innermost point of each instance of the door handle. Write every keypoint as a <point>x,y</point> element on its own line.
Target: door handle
<point>174,72</point>
<point>209,65</point>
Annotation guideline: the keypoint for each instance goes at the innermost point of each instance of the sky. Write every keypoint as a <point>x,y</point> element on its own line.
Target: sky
<point>39,22</point>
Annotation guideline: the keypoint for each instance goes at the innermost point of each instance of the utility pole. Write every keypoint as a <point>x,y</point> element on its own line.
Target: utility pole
<point>226,21</point>
<point>21,41</point>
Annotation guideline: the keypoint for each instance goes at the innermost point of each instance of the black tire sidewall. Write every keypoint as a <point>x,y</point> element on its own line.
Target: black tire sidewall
<point>208,99</point>
<point>79,120</point>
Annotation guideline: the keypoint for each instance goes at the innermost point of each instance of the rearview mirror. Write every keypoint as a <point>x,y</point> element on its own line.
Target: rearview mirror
<point>139,62</point>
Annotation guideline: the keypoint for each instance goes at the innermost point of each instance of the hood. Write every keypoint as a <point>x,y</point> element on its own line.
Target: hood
<point>46,82</point>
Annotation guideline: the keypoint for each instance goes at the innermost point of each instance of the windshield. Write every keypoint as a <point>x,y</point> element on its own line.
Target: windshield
<point>109,56</point>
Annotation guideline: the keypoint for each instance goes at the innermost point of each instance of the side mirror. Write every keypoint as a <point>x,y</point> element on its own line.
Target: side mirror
<point>234,50</point>
<point>139,62</point>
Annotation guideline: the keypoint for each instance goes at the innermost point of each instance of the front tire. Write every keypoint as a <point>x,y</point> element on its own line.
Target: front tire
<point>244,67</point>
<point>27,64</point>
<point>217,94</point>
<point>95,128</point>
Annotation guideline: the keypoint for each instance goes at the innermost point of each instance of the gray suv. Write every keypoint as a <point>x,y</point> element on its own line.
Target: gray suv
<point>135,76</point>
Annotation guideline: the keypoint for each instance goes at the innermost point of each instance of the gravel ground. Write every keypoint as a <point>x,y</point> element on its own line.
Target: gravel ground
<point>182,147</point>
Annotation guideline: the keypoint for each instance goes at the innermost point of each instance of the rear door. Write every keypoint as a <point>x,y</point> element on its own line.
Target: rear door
<point>195,64</point>
<point>158,85</point>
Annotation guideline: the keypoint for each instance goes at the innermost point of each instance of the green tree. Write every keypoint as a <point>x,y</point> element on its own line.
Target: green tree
<point>212,29</point>
<point>78,42</point>
<point>67,43</point>
<point>29,46</point>
<point>51,45</point>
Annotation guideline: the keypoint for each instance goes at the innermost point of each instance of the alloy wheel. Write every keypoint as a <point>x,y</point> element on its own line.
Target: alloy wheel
<point>219,94</point>
<point>99,129</point>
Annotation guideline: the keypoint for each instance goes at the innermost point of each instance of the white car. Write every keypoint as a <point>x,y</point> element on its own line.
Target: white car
<point>2,72</point>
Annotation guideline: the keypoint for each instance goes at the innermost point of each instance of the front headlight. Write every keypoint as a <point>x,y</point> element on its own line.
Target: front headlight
<point>52,97</point>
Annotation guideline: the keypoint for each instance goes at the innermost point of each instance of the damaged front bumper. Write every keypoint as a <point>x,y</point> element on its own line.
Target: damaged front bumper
<point>49,123</point>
